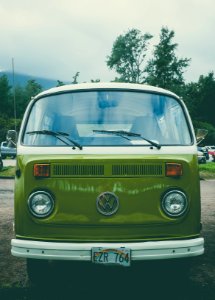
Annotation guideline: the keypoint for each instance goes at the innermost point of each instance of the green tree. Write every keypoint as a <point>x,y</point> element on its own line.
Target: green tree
<point>206,107</point>
<point>32,88</point>
<point>20,101</point>
<point>191,98</point>
<point>6,103</point>
<point>128,56</point>
<point>22,97</point>
<point>7,124</point>
<point>3,125</point>
<point>210,137</point>
<point>200,98</point>
<point>165,69</point>
<point>24,94</point>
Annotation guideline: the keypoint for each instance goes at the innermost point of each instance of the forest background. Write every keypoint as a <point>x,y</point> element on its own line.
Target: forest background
<point>135,61</point>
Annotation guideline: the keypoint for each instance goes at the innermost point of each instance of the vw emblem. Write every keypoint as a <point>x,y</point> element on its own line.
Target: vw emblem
<point>107,203</point>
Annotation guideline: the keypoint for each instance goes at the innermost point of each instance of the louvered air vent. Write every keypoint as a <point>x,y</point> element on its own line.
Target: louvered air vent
<point>137,170</point>
<point>68,170</point>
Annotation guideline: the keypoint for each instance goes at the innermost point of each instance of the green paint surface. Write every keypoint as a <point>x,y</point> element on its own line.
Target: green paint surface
<point>76,181</point>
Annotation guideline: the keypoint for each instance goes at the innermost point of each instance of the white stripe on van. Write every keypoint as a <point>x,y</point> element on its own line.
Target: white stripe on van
<point>26,150</point>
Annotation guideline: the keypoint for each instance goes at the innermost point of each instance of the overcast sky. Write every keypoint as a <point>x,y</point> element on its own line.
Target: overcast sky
<point>57,38</point>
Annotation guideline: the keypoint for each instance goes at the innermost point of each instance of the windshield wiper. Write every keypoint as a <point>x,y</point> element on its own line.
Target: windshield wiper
<point>59,135</point>
<point>126,134</point>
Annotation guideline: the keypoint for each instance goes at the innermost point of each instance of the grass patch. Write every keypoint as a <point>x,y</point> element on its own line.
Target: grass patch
<point>7,172</point>
<point>207,171</point>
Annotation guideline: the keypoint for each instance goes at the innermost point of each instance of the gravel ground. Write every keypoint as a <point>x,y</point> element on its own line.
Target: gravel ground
<point>152,281</point>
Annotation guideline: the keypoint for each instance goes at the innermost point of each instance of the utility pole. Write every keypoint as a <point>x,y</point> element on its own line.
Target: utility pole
<point>14,96</point>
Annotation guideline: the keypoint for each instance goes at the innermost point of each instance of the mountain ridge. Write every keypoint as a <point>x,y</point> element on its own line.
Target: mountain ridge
<point>21,79</point>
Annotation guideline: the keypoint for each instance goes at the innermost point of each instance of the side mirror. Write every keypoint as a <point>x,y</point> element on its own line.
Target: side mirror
<point>200,135</point>
<point>11,138</point>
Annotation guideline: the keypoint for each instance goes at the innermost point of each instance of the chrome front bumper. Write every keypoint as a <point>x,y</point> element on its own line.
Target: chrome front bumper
<point>82,251</point>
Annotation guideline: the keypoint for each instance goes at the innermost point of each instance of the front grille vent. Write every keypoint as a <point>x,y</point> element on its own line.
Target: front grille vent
<point>65,170</point>
<point>109,170</point>
<point>137,170</point>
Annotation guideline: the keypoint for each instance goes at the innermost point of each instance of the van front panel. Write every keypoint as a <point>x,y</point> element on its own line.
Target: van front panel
<point>139,182</point>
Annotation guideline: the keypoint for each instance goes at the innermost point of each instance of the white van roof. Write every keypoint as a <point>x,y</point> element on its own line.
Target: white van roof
<point>106,85</point>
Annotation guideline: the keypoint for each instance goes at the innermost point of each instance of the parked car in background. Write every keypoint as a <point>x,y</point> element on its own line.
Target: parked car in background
<point>211,150</point>
<point>204,150</point>
<point>7,149</point>
<point>201,157</point>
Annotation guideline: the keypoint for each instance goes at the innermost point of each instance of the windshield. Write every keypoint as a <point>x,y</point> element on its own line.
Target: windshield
<point>88,117</point>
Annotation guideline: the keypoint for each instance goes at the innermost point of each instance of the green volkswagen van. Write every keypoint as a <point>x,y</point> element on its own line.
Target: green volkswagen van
<point>107,173</point>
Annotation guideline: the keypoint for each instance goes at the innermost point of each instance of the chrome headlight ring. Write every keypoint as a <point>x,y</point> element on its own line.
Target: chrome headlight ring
<point>41,204</point>
<point>174,203</point>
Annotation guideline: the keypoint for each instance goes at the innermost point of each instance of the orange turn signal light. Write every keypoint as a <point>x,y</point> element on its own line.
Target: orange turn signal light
<point>173,169</point>
<point>42,170</point>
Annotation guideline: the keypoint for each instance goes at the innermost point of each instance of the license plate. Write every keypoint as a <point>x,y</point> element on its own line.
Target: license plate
<point>116,256</point>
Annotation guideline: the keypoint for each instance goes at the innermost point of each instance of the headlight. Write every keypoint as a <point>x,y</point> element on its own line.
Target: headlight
<point>174,203</point>
<point>41,204</point>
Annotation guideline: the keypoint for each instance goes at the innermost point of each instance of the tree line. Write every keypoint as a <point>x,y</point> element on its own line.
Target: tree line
<point>133,62</point>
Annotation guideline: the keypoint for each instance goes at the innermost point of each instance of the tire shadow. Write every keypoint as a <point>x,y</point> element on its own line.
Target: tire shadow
<point>152,280</point>
<point>145,280</point>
